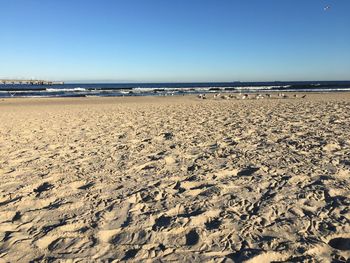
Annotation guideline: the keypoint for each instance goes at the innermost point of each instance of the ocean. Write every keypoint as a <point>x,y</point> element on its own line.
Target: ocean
<point>166,89</point>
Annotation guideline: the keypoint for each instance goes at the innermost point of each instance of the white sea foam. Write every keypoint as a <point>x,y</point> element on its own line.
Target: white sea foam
<point>260,87</point>
<point>204,89</point>
<point>19,91</point>
<point>172,89</point>
<point>165,90</point>
<point>66,90</point>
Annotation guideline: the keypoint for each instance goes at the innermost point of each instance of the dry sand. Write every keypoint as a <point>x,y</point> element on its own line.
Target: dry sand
<point>175,179</point>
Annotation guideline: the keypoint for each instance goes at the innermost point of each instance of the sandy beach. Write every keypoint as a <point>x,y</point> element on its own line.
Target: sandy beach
<point>166,179</point>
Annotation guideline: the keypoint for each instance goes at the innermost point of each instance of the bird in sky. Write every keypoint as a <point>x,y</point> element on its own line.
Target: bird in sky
<point>326,8</point>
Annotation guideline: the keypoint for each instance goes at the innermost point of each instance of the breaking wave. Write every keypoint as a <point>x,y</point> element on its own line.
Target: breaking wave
<point>165,89</point>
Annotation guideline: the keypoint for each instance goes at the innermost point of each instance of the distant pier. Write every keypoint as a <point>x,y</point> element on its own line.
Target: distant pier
<point>29,82</point>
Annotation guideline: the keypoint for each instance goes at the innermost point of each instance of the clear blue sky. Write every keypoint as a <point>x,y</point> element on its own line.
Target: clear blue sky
<point>175,40</point>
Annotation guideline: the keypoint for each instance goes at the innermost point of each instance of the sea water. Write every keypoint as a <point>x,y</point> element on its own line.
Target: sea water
<point>166,89</point>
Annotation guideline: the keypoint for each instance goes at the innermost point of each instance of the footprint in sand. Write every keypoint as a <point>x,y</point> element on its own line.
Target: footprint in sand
<point>331,147</point>
<point>248,171</point>
<point>42,188</point>
<point>86,186</point>
<point>168,135</point>
<point>340,243</point>
<point>112,223</point>
<point>162,222</point>
<point>194,188</point>
<point>192,238</point>
<point>130,254</point>
<point>213,224</point>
